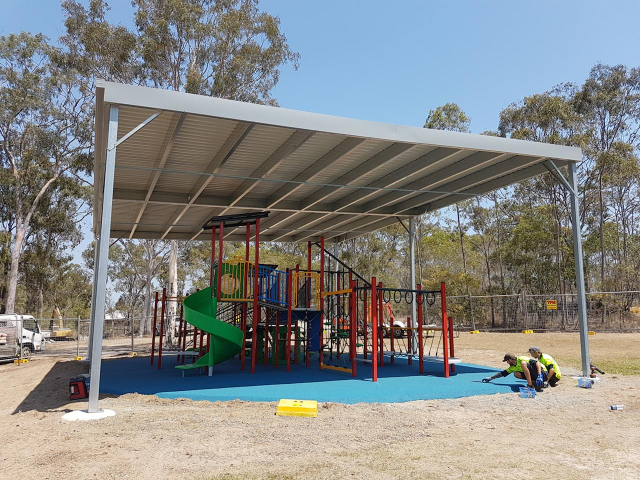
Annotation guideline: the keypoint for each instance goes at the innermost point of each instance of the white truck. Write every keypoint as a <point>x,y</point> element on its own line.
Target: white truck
<point>16,340</point>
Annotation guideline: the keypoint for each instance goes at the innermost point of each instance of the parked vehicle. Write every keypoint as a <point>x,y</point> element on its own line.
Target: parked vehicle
<point>16,341</point>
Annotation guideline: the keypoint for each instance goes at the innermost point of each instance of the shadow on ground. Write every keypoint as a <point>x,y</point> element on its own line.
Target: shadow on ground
<point>52,393</point>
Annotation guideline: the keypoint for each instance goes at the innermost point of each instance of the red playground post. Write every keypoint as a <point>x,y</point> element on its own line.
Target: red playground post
<point>321,301</point>
<point>380,337</point>
<point>374,330</point>
<point>353,315</point>
<point>420,332</point>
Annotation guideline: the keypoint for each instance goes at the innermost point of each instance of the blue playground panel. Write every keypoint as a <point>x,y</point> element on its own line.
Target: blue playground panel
<point>397,382</point>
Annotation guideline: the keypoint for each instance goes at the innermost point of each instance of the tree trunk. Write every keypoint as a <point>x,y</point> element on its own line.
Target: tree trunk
<point>41,302</point>
<point>13,272</point>
<point>464,257</point>
<point>172,306</point>
<point>601,231</point>
<point>145,321</point>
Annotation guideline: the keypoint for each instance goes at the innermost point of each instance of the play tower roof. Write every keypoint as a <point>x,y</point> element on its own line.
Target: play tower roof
<point>182,159</point>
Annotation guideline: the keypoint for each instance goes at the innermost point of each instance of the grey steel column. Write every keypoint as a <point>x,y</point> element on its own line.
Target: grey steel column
<point>96,257</point>
<point>101,267</point>
<point>412,259</point>
<point>577,254</point>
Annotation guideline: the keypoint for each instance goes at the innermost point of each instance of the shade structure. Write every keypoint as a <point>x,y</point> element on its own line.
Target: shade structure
<point>166,162</point>
<point>184,158</point>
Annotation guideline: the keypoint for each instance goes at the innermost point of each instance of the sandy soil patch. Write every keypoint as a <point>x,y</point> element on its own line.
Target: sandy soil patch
<point>572,430</point>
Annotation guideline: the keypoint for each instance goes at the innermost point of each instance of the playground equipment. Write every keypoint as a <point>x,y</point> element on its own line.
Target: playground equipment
<point>280,317</point>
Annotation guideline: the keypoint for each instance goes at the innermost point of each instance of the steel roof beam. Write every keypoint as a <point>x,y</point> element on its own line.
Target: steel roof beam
<point>159,164</point>
<point>328,159</point>
<point>293,143</point>
<point>436,156</point>
<point>222,156</point>
<point>454,188</point>
<point>413,168</point>
<point>328,225</point>
<point>366,167</point>
<point>379,159</point>
<point>183,199</point>
<point>482,188</point>
<point>469,164</point>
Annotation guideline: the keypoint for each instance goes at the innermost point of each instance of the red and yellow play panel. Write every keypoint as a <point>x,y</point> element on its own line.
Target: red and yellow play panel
<point>297,408</point>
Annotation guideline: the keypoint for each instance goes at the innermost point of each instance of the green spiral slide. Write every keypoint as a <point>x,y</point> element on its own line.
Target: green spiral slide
<point>226,340</point>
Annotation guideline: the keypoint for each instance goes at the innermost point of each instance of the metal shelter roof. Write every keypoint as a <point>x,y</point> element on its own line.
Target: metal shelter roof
<point>319,175</point>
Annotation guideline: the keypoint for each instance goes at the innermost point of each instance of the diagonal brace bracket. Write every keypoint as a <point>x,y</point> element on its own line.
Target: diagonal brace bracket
<point>138,128</point>
<point>403,225</point>
<point>555,171</point>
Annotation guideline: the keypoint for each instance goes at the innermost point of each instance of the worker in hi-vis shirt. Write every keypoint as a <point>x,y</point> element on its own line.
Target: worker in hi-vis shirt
<point>548,361</point>
<point>524,368</point>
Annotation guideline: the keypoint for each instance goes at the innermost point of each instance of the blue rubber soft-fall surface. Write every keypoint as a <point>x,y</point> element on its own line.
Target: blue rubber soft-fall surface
<point>398,382</point>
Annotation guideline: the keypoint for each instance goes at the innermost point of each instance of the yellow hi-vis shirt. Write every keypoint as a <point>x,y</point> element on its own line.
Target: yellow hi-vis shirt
<point>548,361</point>
<point>518,368</point>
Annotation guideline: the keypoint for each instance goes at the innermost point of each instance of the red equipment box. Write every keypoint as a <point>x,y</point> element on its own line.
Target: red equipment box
<point>78,388</point>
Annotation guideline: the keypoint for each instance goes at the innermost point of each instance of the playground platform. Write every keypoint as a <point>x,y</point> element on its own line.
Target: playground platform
<point>397,382</point>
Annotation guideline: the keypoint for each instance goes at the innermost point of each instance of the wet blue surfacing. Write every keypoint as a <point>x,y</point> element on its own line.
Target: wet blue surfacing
<point>397,382</point>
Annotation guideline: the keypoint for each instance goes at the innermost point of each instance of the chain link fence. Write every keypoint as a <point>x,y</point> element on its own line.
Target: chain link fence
<point>606,311</point>
<point>69,337</point>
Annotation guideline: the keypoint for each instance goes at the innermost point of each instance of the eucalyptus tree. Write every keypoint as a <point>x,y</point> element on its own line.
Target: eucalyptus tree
<point>609,103</point>
<point>548,117</point>
<point>54,233</point>
<point>451,117</point>
<point>221,48</point>
<point>45,136</point>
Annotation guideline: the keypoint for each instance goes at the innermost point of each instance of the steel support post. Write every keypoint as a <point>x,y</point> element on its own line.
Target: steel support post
<point>96,256</point>
<point>100,275</point>
<point>412,257</point>
<point>577,255</point>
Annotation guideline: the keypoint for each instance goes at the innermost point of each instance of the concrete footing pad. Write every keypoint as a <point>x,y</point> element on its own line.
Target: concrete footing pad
<point>85,415</point>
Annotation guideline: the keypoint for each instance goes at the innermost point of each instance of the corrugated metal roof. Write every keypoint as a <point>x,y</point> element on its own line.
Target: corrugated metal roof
<point>318,175</point>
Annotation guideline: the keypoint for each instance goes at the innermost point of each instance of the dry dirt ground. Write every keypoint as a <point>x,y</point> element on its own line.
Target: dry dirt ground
<point>566,432</point>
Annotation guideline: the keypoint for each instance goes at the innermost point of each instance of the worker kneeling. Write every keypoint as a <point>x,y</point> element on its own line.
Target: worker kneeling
<point>547,361</point>
<point>524,368</point>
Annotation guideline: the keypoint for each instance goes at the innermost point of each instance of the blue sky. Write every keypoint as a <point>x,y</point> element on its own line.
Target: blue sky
<point>393,61</point>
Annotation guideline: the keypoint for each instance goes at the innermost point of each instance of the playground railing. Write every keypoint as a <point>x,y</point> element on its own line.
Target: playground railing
<point>272,286</point>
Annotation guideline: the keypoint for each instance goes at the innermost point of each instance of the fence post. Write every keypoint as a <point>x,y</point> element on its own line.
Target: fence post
<point>524,310</point>
<point>453,366</point>
<point>473,318</point>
